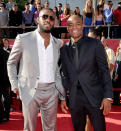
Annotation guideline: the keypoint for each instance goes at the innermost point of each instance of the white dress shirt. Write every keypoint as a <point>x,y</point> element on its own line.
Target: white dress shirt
<point>45,60</point>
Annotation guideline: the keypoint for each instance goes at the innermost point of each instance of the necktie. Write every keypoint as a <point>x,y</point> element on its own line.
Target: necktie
<point>76,54</point>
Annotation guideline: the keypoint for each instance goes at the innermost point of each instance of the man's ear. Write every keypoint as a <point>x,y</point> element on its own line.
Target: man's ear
<point>37,20</point>
<point>67,29</point>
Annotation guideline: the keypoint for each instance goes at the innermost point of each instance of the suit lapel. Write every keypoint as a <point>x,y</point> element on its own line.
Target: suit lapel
<point>35,56</point>
<point>82,51</point>
<point>55,52</point>
<point>70,53</point>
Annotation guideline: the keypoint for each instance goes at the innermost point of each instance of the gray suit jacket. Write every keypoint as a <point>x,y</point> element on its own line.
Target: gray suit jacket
<point>25,54</point>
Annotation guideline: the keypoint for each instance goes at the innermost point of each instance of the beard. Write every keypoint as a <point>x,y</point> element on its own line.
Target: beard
<point>43,29</point>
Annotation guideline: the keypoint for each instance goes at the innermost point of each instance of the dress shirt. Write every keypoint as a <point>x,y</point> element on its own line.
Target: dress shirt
<point>4,17</point>
<point>45,60</point>
<point>28,18</point>
<point>108,15</point>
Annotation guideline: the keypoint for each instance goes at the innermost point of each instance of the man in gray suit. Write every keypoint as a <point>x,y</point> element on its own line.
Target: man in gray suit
<point>38,81</point>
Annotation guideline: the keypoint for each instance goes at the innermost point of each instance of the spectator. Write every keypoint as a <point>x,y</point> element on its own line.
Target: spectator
<point>60,11</point>
<point>3,15</point>
<point>95,33</point>
<point>32,6</point>
<point>15,19</point>
<point>6,45</point>
<point>88,16</point>
<point>110,55</point>
<point>68,7</point>
<point>1,66</point>
<point>36,14</point>
<point>15,16</point>
<point>99,16</point>
<point>64,18</point>
<point>10,4</point>
<point>3,20</point>
<point>108,14</point>
<point>117,76</point>
<point>4,81</point>
<point>37,1</point>
<point>77,12</point>
<point>28,16</point>
<point>46,4</point>
<point>103,3</point>
<point>57,19</point>
<point>55,32</point>
<point>117,21</point>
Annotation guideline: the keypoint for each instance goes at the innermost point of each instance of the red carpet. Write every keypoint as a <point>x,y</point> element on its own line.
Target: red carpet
<point>113,121</point>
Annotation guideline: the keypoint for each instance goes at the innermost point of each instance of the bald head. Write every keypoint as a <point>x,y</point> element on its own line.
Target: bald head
<point>74,18</point>
<point>46,10</point>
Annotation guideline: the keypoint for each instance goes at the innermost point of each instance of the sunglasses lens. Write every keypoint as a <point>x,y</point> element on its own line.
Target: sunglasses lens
<point>52,18</point>
<point>46,17</point>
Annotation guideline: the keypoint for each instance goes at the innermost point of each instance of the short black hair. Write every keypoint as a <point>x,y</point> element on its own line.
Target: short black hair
<point>78,16</point>
<point>109,1</point>
<point>49,9</point>
<point>60,4</point>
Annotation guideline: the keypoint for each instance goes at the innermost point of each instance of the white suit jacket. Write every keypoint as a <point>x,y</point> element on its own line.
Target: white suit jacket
<point>25,54</point>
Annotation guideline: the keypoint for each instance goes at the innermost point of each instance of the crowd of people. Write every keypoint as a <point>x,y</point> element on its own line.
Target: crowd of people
<point>29,86</point>
<point>103,15</point>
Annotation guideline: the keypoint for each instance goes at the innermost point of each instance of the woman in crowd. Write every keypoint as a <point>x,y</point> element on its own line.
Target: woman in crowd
<point>103,3</point>
<point>64,17</point>
<point>55,31</point>
<point>88,16</point>
<point>77,11</point>
<point>57,19</point>
<point>99,16</point>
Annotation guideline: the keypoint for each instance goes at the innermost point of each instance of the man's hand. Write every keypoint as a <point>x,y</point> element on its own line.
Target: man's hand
<point>106,106</point>
<point>64,107</point>
<point>16,91</point>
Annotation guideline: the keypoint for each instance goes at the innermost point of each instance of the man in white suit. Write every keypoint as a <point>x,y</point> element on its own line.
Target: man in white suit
<point>38,81</point>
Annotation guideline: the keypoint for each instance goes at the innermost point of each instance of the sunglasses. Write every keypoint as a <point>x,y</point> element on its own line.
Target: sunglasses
<point>45,17</point>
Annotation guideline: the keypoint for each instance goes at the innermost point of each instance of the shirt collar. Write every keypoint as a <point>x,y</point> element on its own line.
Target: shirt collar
<point>39,36</point>
<point>78,42</point>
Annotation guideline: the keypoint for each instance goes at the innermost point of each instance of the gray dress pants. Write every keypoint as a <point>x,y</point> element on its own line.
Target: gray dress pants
<point>45,100</point>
